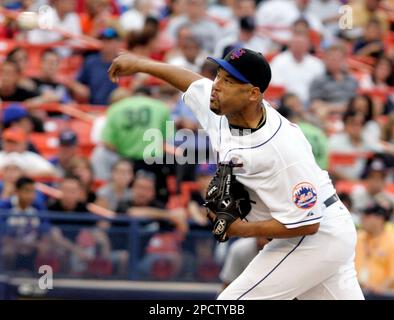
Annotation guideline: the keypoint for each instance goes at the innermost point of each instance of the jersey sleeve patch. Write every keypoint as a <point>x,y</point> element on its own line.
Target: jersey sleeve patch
<point>304,195</point>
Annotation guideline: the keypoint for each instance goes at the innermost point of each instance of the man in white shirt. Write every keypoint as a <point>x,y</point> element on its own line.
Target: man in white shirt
<point>328,11</point>
<point>207,29</point>
<point>62,16</point>
<point>15,140</point>
<point>278,16</point>
<point>246,37</point>
<point>295,204</point>
<point>295,68</point>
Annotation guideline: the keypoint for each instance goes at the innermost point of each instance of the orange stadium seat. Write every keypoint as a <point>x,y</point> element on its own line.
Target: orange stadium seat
<point>274,93</point>
<point>390,188</point>
<point>345,186</point>
<point>346,159</point>
<point>182,199</point>
<point>380,94</point>
<point>82,129</point>
<point>46,143</point>
<point>389,39</point>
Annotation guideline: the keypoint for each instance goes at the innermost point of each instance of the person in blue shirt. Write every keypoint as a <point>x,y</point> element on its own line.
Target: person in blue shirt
<point>93,83</point>
<point>22,226</point>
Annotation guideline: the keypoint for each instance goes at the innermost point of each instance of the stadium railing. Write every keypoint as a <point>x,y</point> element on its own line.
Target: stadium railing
<point>153,253</point>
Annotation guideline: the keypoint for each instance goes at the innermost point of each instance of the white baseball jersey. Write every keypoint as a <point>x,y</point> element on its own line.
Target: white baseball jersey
<point>282,177</point>
<point>279,169</point>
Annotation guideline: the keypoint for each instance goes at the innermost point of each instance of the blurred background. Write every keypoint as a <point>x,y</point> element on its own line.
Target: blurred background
<point>75,191</point>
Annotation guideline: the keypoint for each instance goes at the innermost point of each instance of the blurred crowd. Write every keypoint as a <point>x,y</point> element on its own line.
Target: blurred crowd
<point>74,142</point>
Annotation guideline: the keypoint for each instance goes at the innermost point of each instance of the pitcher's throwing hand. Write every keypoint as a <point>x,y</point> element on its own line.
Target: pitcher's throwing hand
<point>123,65</point>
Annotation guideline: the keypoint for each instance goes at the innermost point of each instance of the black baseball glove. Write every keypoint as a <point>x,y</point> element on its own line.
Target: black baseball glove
<point>227,199</point>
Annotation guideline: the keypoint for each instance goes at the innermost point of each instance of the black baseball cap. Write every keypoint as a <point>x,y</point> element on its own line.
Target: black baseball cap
<point>68,138</point>
<point>247,23</point>
<point>378,163</point>
<point>247,66</point>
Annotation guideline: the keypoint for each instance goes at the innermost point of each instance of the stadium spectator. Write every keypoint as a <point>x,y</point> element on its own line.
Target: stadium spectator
<point>190,55</point>
<point>12,168</point>
<point>15,140</point>
<point>97,16</point>
<point>92,82</point>
<point>48,81</point>
<point>24,199</point>
<point>362,12</point>
<point>302,27</point>
<point>72,199</point>
<point>328,11</point>
<point>195,14</point>
<point>127,122</point>
<point>364,104</point>
<point>375,250</point>
<point>63,17</point>
<point>173,9</point>
<point>277,17</point>
<point>9,85</point>
<point>222,10</point>
<point>382,76</point>
<point>20,56</point>
<point>16,115</point>
<point>244,37</point>
<point>330,92</point>
<point>143,192</point>
<point>371,43</point>
<point>183,33</point>
<point>295,68</point>
<point>144,42</point>
<point>376,174</point>
<point>388,131</point>
<point>134,18</point>
<point>143,204</point>
<point>11,91</point>
<point>351,141</point>
<point>22,232</point>
<point>238,10</point>
<point>67,151</point>
<point>80,167</point>
<point>117,192</point>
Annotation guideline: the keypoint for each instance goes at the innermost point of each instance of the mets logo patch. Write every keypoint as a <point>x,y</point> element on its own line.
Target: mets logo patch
<point>237,54</point>
<point>304,195</point>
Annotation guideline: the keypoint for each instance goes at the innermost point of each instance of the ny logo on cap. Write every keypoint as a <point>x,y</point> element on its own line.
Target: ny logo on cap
<point>237,54</point>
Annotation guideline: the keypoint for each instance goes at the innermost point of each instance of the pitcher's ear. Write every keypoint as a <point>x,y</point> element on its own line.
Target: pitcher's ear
<point>255,94</point>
